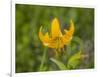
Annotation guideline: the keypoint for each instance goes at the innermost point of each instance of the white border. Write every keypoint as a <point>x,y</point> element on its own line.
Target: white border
<point>69,3</point>
<point>5,38</point>
<point>72,73</point>
<point>13,40</point>
<point>79,3</point>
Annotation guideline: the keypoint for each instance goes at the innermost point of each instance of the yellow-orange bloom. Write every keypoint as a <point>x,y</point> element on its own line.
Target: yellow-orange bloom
<point>56,39</point>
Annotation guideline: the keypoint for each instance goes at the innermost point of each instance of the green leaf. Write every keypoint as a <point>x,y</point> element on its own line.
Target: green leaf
<point>59,64</point>
<point>74,61</point>
<point>43,68</point>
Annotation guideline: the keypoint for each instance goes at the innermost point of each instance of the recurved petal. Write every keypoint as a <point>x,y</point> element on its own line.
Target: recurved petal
<point>71,29</point>
<point>68,33</point>
<point>55,28</point>
<point>41,34</point>
<point>46,39</point>
<point>66,39</point>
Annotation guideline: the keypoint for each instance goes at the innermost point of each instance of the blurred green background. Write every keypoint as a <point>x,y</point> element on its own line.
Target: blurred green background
<point>29,48</point>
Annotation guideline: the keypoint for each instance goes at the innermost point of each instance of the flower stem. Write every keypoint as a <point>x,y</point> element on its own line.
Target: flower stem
<point>57,54</point>
<point>43,59</point>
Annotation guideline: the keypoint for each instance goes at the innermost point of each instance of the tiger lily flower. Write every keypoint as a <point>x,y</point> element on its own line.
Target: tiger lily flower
<point>56,39</point>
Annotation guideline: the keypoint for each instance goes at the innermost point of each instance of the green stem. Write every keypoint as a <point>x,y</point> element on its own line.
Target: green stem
<point>43,59</point>
<point>58,50</point>
<point>57,54</point>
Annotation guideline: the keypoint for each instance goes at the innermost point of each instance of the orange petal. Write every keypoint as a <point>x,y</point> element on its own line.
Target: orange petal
<point>54,44</point>
<point>41,34</point>
<point>46,39</point>
<point>68,33</point>
<point>55,28</point>
<point>71,29</point>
